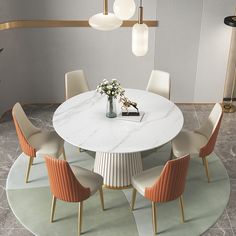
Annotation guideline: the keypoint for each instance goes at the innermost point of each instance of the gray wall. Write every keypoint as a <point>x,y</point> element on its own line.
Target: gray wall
<point>191,43</point>
<point>34,61</point>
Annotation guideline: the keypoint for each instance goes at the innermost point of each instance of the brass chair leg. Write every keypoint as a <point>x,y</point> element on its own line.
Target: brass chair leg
<point>64,153</point>
<point>181,202</point>
<point>28,169</point>
<point>80,216</point>
<point>101,198</point>
<point>171,153</point>
<point>133,198</point>
<point>206,169</point>
<point>53,207</point>
<point>154,217</point>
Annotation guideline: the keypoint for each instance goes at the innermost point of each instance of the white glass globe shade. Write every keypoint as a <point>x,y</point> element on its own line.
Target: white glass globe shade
<point>105,22</point>
<point>124,9</point>
<point>140,39</point>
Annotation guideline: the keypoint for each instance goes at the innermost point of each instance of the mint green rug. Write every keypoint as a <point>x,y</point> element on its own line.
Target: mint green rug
<point>204,203</point>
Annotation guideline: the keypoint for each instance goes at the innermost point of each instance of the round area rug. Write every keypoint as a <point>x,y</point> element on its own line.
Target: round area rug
<point>204,203</point>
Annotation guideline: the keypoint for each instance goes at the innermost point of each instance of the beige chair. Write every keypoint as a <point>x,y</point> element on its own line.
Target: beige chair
<point>75,83</point>
<point>34,141</point>
<point>162,184</point>
<point>201,141</point>
<point>72,184</point>
<point>159,83</point>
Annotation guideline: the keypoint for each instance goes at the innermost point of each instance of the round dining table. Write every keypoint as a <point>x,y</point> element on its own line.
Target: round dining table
<point>118,143</point>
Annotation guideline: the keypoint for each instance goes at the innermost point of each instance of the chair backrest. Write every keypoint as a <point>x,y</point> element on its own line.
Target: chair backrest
<point>24,129</point>
<point>159,83</point>
<point>171,182</point>
<point>63,183</point>
<point>210,130</point>
<point>75,83</point>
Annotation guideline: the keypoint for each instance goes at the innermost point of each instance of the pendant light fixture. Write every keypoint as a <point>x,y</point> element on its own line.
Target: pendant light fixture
<point>140,35</point>
<point>124,9</point>
<point>105,21</point>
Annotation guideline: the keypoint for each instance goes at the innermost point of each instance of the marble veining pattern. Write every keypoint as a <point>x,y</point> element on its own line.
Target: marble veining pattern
<point>81,122</point>
<point>193,116</point>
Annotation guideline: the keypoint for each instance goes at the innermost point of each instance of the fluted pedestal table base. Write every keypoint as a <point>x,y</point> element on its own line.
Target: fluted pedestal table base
<point>117,168</point>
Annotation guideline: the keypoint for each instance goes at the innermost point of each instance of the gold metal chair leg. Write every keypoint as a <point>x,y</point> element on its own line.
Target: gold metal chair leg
<point>206,169</point>
<point>181,202</point>
<point>80,216</point>
<point>28,169</point>
<point>64,153</point>
<point>154,217</point>
<point>53,207</point>
<point>133,198</point>
<point>101,198</point>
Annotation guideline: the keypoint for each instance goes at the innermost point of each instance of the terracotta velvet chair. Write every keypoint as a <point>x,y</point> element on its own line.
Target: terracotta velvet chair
<point>34,141</point>
<point>75,83</point>
<point>162,184</point>
<point>201,141</point>
<point>72,184</point>
<point>159,83</point>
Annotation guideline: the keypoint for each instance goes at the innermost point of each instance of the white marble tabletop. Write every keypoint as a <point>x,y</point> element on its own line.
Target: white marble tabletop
<point>82,122</point>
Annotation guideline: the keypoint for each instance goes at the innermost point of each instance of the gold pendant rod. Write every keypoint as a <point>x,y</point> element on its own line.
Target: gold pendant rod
<point>62,23</point>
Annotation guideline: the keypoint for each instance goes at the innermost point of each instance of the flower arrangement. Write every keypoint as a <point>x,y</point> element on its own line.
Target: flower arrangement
<point>110,88</point>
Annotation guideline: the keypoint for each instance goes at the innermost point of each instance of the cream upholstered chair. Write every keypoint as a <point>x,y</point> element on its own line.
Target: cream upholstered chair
<point>34,141</point>
<point>162,184</point>
<point>159,83</point>
<point>75,83</point>
<point>72,184</point>
<point>201,141</point>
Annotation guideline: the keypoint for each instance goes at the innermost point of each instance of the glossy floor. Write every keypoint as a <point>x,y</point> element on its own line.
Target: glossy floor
<point>193,114</point>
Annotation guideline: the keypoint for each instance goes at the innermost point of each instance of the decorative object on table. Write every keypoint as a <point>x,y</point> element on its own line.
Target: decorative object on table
<point>140,35</point>
<point>105,21</point>
<point>228,107</point>
<point>131,118</point>
<point>126,103</point>
<point>112,89</point>
<point>124,9</point>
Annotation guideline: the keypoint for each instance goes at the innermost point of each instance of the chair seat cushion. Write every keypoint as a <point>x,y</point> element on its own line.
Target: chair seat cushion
<point>188,142</point>
<point>146,179</point>
<point>47,143</point>
<point>88,178</point>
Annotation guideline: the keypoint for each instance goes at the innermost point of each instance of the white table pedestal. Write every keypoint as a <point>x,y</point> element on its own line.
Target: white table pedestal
<point>117,168</point>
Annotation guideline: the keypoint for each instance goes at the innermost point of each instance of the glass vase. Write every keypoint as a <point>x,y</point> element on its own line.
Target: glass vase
<point>111,107</point>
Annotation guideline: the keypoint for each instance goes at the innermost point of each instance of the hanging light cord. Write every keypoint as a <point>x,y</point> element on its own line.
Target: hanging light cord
<point>140,13</point>
<point>105,7</point>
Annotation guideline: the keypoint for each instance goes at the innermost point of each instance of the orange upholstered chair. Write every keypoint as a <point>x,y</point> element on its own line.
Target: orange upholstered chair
<point>201,141</point>
<point>162,184</point>
<point>72,184</point>
<point>34,141</point>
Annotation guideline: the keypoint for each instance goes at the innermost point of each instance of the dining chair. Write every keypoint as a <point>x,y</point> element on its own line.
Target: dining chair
<point>34,141</point>
<point>162,184</point>
<point>75,83</point>
<point>201,141</point>
<point>72,184</point>
<point>159,83</point>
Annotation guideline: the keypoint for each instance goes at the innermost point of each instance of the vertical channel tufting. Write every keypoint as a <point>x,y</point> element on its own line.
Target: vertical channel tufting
<point>171,183</point>
<point>117,168</point>
<point>209,147</point>
<point>25,146</point>
<point>63,183</point>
